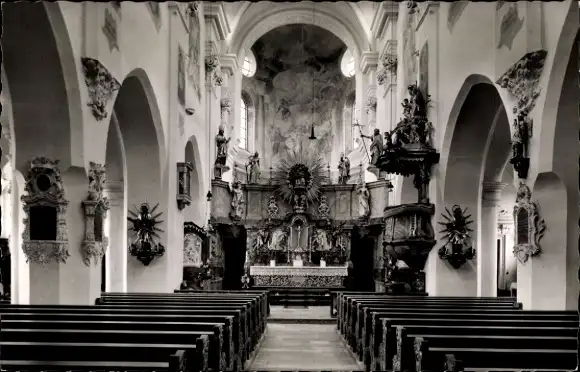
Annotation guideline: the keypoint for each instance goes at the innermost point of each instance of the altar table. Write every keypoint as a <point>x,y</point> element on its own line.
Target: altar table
<point>291,276</point>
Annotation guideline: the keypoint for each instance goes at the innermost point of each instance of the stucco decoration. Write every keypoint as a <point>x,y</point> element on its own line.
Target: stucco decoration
<point>529,226</point>
<point>226,106</point>
<point>371,104</point>
<point>304,85</point>
<point>95,208</point>
<point>523,78</point>
<point>101,86</point>
<point>45,236</point>
<point>389,69</point>
<point>510,26</point>
<point>456,8</point>
<point>110,30</point>
<point>192,250</point>
<point>273,208</point>
<point>193,66</point>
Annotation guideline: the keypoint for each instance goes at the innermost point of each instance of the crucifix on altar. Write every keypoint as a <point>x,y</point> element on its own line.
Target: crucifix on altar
<point>299,249</point>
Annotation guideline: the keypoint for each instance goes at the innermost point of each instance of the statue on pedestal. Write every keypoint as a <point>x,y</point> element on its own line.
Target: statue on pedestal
<point>221,153</point>
<point>376,145</point>
<point>253,169</point>
<point>343,169</point>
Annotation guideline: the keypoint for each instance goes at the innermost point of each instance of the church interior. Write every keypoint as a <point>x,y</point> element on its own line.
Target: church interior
<point>272,186</point>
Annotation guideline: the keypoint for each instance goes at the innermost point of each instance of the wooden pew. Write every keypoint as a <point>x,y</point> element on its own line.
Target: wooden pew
<point>356,327</point>
<point>487,357</point>
<point>131,322</point>
<point>480,338</point>
<point>96,332</point>
<point>260,299</point>
<point>369,326</point>
<point>381,356</point>
<point>251,326</point>
<point>345,301</point>
<point>146,314</point>
<point>256,314</point>
<point>362,309</point>
<point>65,356</point>
<point>351,302</point>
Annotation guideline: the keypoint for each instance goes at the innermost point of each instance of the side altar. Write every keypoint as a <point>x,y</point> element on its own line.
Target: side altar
<point>293,276</point>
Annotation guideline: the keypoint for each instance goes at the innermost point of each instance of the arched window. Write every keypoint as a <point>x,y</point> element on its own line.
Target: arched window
<point>244,125</point>
<point>249,65</point>
<point>347,65</point>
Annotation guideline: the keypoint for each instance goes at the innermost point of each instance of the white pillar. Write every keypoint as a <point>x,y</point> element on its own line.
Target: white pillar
<point>487,249</point>
<point>116,230</point>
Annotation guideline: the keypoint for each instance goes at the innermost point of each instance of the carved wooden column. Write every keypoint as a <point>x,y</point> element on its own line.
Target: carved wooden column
<point>487,252</point>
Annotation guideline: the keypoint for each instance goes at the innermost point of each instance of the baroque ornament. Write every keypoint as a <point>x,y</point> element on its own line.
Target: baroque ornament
<point>145,246</point>
<point>95,208</point>
<point>298,178</point>
<point>324,208</point>
<point>371,104</point>
<point>101,86</point>
<point>457,233</point>
<point>211,63</point>
<point>529,226</point>
<point>389,69</point>
<point>44,198</point>
<point>523,78</point>
<point>272,208</point>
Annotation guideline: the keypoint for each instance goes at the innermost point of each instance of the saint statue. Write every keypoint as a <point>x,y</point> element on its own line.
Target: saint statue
<point>376,145</point>
<point>343,169</point>
<point>253,168</point>
<point>238,201</point>
<point>418,103</point>
<point>363,200</point>
<point>222,147</point>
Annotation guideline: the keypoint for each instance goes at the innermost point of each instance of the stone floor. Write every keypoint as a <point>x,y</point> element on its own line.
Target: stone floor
<point>302,347</point>
<point>310,313</point>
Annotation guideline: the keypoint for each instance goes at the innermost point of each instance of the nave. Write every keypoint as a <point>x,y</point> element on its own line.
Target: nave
<point>240,331</point>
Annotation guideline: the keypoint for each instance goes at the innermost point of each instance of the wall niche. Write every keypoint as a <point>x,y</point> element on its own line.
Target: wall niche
<point>45,236</point>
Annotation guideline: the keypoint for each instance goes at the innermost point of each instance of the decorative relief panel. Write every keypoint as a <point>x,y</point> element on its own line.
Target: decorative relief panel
<point>193,67</point>
<point>192,250</point>
<point>101,86</point>
<point>110,30</point>
<point>95,208</point>
<point>529,226</point>
<point>45,236</point>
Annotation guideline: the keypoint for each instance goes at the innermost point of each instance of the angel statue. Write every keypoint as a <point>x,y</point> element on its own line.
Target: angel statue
<point>145,247</point>
<point>457,234</point>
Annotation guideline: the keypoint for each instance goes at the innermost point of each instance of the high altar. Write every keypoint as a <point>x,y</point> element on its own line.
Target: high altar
<point>298,225</point>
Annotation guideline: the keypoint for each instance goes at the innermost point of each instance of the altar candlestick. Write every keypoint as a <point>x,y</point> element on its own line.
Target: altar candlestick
<point>270,181</point>
<point>328,168</point>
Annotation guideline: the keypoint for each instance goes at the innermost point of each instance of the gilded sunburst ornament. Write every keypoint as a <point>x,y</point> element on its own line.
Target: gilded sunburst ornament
<point>299,173</point>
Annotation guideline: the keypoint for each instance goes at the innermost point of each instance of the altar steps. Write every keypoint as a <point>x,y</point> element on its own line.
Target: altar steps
<point>298,297</point>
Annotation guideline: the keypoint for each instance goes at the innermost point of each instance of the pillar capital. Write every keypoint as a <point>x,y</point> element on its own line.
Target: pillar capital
<point>491,193</point>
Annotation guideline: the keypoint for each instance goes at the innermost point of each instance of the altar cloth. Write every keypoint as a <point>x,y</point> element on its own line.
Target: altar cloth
<point>291,276</point>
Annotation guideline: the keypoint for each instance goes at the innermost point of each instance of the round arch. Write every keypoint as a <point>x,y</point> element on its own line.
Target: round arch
<point>45,96</point>
<point>142,142</point>
<point>476,146</point>
<point>261,18</point>
<point>449,131</point>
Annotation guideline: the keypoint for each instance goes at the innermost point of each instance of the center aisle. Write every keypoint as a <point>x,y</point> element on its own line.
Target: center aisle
<point>302,339</point>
